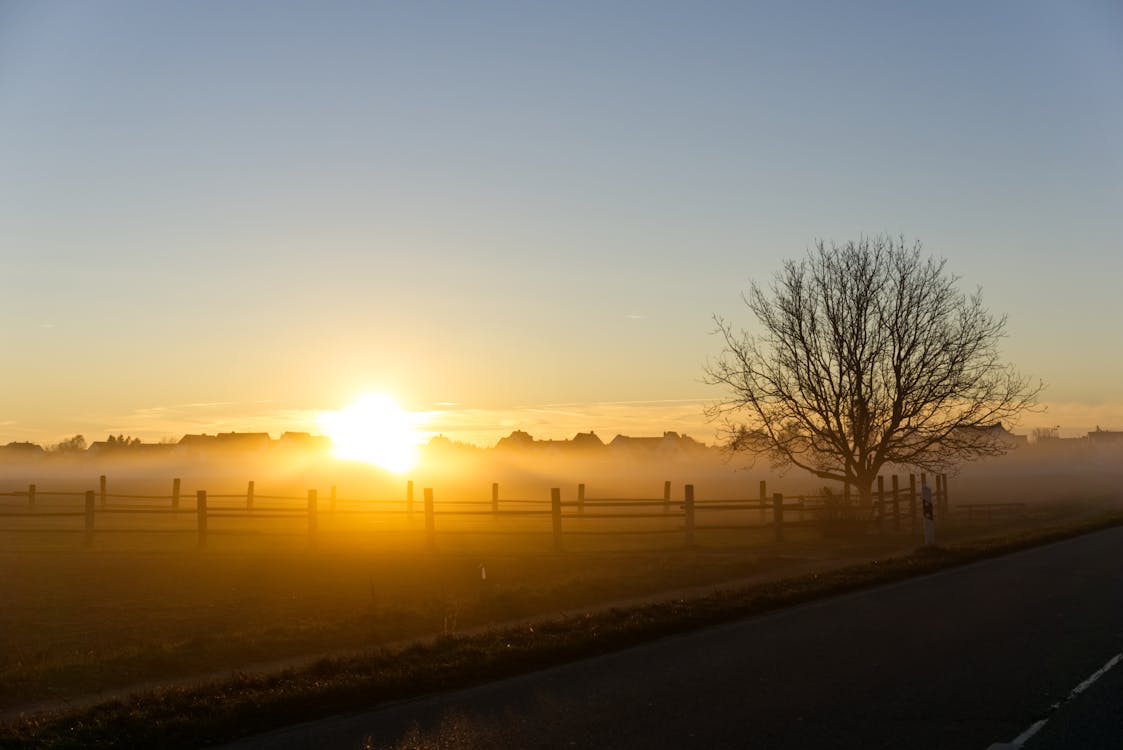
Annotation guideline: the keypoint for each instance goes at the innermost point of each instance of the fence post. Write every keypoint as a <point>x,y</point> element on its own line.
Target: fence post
<point>201,515</point>
<point>880,503</point>
<point>688,506</point>
<point>939,499</point>
<point>430,520</point>
<point>778,515</point>
<point>89,517</point>
<point>896,504</point>
<point>101,484</point>
<point>30,495</point>
<point>313,518</point>
<point>667,496</point>
<point>409,498</point>
<point>249,496</point>
<point>175,494</point>
<point>581,498</point>
<point>495,498</point>
<point>912,503</point>
<point>555,513</point>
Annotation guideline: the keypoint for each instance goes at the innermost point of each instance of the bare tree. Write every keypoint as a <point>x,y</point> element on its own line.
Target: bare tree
<point>74,444</point>
<point>866,354</point>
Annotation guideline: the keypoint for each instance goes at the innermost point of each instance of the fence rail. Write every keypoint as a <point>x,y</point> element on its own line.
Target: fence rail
<point>892,506</point>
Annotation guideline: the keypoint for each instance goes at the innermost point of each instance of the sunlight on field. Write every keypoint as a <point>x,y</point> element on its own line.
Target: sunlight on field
<point>376,430</point>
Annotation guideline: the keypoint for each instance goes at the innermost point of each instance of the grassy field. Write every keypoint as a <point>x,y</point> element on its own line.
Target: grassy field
<point>82,622</point>
<point>140,610</point>
<point>244,703</point>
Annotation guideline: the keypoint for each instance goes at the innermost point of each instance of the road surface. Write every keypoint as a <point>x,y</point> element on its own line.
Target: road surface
<point>988,654</point>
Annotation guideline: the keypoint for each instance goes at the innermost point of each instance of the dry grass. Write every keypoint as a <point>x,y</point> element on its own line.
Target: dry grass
<point>83,621</point>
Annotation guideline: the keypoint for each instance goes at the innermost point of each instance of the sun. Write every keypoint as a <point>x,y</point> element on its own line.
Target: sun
<point>376,430</point>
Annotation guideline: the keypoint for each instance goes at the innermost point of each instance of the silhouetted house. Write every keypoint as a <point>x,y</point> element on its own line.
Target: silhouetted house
<point>516,440</point>
<point>671,445</point>
<point>581,442</point>
<point>102,447</point>
<point>1106,444</point>
<point>21,451</point>
<point>303,442</point>
<point>243,442</point>
<point>995,434</point>
<point>224,445</point>
<point>196,446</point>
<point>586,441</point>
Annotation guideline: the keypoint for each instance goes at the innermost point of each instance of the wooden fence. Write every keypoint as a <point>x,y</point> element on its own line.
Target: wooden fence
<point>894,508</point>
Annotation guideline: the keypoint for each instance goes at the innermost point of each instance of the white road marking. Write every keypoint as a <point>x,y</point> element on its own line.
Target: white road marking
<point>1034,728</point>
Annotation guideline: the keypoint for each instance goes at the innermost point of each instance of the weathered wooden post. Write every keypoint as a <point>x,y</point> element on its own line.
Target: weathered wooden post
<point>912,503</point>
<point>941,509</point>
<point>495,498</point>
<point>409,498</point>
<point>201,516</point>
<point>581,498</point>
<point>667,496</point>
<point>778,515</point>
<point>30,496</point>
<point>880,503</point>
<point>896,503</point>
<point>937,507</point>
<point>175,494</point>
<point>943,485</point>
<point>313,518</point>
<point>430,519</point>
<point>555,515</point>
<point>101,484</point>
<point>688,507</point>
<point>89,517</point>
<point>249,495</point>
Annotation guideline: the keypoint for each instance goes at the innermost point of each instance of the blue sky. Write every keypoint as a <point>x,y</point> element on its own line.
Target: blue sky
<point>232,215</point>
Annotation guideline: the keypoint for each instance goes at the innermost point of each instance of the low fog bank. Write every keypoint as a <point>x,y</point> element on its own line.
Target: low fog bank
<point>1029,473</point>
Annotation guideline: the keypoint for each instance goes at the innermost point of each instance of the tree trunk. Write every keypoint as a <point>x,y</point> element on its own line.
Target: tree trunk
<point>865,492</point>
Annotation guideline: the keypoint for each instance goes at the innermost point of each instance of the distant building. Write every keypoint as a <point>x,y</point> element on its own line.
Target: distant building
<point>21,450</point>
<point>1106,445</point>
<point>303,441</point>
<point>243,442</point>
<point>671,444</point>
<point>587,441</point>
<point>517,439</point>
<point>996,434</point>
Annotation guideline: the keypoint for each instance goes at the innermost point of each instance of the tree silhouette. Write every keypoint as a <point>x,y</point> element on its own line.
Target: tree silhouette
<point>866,354</point>
<point>74,444</point>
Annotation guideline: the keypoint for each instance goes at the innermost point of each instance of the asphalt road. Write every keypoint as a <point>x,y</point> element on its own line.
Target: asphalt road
<point>966,658</point>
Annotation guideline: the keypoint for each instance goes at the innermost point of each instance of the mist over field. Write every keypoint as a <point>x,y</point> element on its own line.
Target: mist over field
<point>1049,470</point>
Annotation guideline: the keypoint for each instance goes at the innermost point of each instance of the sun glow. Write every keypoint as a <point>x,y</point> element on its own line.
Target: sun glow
<point>376,430</point>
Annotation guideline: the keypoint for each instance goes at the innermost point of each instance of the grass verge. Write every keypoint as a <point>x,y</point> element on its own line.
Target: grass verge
<point>217,711</point>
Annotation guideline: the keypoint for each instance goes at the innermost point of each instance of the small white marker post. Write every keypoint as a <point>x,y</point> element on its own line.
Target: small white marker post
<point>929,519</point>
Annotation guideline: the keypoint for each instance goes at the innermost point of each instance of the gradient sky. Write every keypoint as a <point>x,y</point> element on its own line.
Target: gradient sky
<point>232,215</point>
